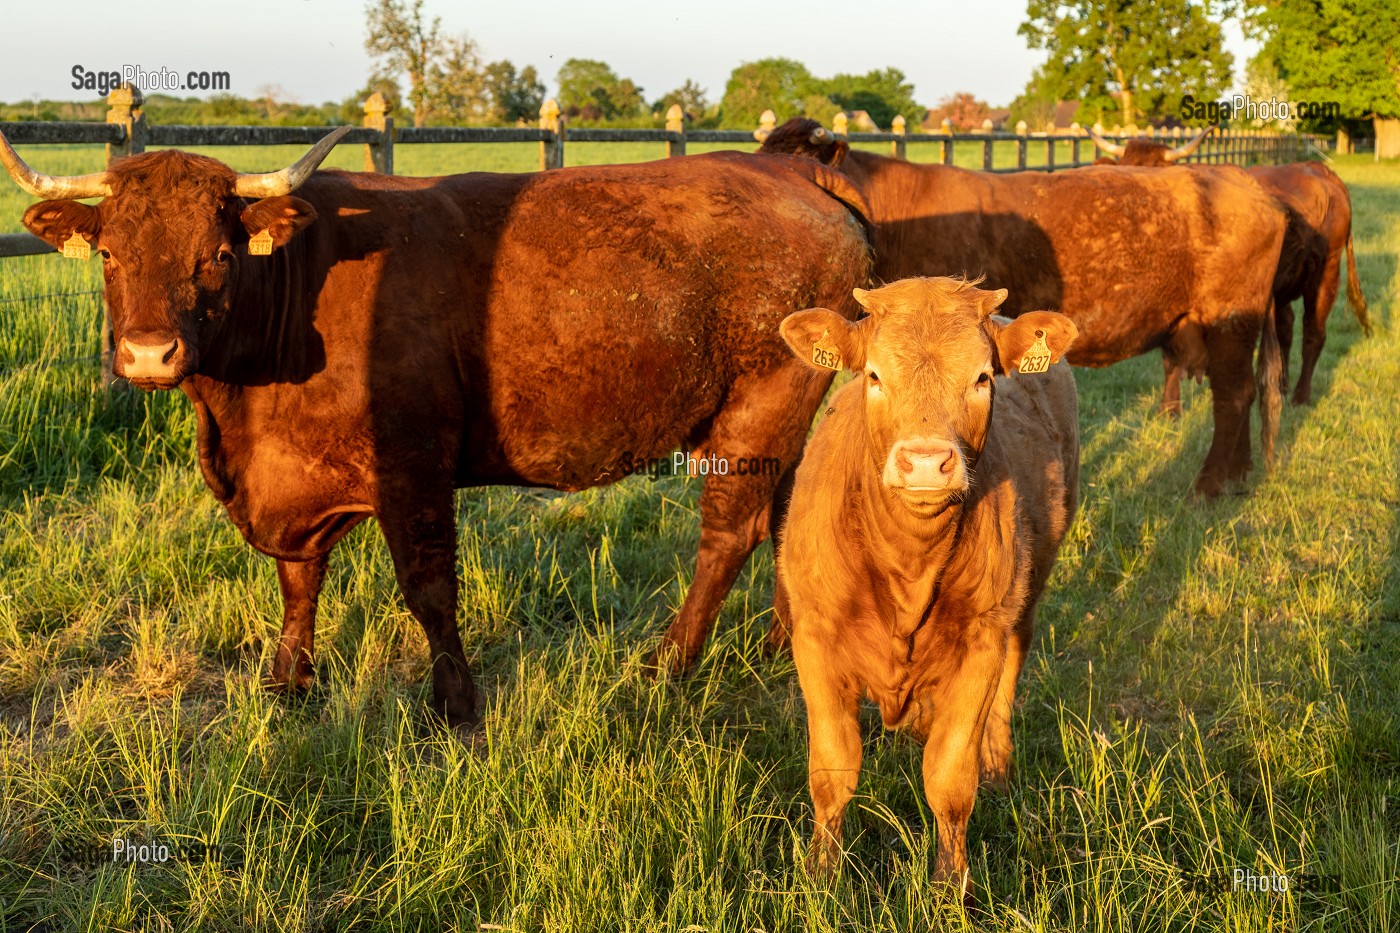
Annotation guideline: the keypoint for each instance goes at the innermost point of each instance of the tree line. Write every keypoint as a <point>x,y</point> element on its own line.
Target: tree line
<point>1116,62</point>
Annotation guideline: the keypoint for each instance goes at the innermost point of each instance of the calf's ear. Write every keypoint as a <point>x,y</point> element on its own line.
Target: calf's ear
<point>281,217</point>
<point>55,221</point>
<point>824,339</point>
<point>1023,343</point>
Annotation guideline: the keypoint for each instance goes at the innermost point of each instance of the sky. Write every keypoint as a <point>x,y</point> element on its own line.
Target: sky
<point>314,49</point>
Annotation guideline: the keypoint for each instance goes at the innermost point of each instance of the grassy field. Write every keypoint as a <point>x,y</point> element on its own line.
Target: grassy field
<point>1213,687</point>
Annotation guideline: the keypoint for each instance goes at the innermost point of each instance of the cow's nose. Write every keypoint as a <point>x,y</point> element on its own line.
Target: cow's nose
<point>157,362</point>
<point>923,465</point>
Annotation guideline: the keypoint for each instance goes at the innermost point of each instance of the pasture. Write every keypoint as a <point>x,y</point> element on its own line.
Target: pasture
<point>1213,687</point>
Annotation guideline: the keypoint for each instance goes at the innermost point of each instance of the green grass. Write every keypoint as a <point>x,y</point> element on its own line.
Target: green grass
<point>1212,687</point>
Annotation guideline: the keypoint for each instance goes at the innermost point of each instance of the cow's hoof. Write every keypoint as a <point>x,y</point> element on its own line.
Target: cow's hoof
<point>777,644</point>
<point>297,684</point>
<point>997,780</point>
<point>1301,400</point>
<point>667,661</point>
<point>1171,413</point>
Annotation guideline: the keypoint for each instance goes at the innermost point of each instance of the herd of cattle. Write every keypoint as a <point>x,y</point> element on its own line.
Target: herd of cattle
<point>356,344</point>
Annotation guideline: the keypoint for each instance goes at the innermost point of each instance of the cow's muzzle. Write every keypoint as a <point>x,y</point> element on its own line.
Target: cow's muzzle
<point>923,466</point>
<point>154,364</point>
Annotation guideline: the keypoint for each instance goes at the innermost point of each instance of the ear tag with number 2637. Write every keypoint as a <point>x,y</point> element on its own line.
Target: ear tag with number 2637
<point>825,353</point>
<point>1037,358</point>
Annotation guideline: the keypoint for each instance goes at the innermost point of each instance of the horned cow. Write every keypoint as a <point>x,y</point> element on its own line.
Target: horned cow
<point>358,345</point>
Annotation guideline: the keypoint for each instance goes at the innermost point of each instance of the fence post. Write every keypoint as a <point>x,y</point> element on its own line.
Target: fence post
<point>379,157</point>
<point>124,109</point>
<point>675,123</point>
<point>987,145</point>
<point>945,126</point>
<point>897,128</point>
<point>767,120</point>
<point>552,149</point>
<point>840,124</point>
<point>1021,145</point>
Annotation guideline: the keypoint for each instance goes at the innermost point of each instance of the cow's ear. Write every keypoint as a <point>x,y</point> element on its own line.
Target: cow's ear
<point>1021,345</point>
<point>824,339</point>
<point>838,153</point>
<point>281,217</point>
<point>54,222</point>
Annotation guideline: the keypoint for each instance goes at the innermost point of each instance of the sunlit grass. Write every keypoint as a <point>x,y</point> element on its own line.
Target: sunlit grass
<point>1213,687</point>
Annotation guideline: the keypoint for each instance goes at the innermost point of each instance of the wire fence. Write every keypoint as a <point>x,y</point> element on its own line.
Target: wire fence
<point>15,367</point>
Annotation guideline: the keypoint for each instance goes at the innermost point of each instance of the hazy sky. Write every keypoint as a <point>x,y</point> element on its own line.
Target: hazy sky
<point>314,49</point>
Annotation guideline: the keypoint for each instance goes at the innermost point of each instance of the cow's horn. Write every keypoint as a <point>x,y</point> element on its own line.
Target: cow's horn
<point>1182,151</point>
<point>51,187</point>
<point>1112,149</point>
<point>820,136</point>
<point>289,179</point>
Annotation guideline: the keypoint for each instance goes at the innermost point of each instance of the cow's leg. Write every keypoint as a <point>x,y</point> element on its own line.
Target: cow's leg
<point>421,531</point>
<point>961,703</point>
<point>996,764</point>
<point>765,417</point>
<point>1318,298</point>
<point>834,752</point>
<point>779,630</point>
<point>1283,326</point>
<point>1229,364</point>
<point>293,665</point>
<point>1171,387</point>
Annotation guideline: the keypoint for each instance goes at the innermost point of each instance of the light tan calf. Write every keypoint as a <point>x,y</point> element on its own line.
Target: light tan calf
<point>925,518</point>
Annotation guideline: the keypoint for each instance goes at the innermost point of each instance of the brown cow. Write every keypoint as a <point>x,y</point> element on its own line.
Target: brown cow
<point>1134,257</point>
<point>409,336</point>
<point>950,485</point>
<point>1318,207</point>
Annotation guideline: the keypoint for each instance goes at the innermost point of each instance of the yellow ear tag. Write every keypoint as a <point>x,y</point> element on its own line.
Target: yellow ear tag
<point>825,353</point>
<point>260,245</point>
<point>1037,358</point>
<point>75,247</point>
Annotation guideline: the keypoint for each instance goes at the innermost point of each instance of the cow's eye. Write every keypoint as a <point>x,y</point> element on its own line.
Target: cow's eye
<point>223,256</point>
<point>873,377</point>
<point>984,380</point>
<point>105,254</point>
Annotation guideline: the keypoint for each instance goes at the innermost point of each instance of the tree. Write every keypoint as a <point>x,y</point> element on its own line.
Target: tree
<point>883,94</point>
<point>1347,51</point>
<point>690,96</point>
<point>777,84</point>
<point>457,83</point>
<point>1144,54</point>
<point>963,110</point>
<point>591,90</point>
<point>514,97</point>
<point>398,35</point>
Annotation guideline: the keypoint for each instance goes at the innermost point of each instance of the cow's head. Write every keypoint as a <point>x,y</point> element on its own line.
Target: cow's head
<point>801,136</point>
<point>928,352</point>
<point>1146,152</point>
<point>173,230</point>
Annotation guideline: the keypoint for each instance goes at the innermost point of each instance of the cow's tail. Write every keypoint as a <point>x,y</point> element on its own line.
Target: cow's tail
<point>1354,296</point>
<point>841,188</point>
<point>1266,379</point>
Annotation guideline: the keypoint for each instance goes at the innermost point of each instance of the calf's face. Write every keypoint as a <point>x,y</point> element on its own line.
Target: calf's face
<point>928,353</point>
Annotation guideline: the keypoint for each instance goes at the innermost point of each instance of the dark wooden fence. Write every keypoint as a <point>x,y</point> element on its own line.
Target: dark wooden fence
<point>127,133</point>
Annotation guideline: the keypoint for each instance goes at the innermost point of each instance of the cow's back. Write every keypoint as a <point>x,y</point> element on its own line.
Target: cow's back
<point>651,289</point>
<point>1125,252</point>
